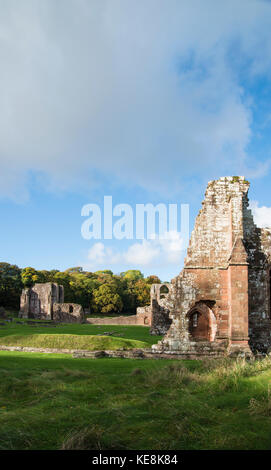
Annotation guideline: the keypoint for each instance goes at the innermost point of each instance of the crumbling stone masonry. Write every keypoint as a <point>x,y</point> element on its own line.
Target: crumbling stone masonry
<point>142,318</point>
<point>156,316</point>
<point>68,313</point>
<point>46,301</point>
<point>220,303</point>
<point>159,311</point>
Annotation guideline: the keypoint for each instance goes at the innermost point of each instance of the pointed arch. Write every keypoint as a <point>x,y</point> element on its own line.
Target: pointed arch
<point>202,325</point>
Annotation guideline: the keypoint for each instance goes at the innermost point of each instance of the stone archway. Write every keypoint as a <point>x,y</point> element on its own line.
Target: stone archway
<point>202,323</point>
<point>163,291</point>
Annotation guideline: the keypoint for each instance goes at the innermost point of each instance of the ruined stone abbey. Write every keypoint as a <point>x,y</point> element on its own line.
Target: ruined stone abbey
<point>220,303</point>
<point>45,301</point>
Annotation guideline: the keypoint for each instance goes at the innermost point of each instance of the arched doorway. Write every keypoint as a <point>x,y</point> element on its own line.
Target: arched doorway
<point>202,323</point>
<point>199,326</point>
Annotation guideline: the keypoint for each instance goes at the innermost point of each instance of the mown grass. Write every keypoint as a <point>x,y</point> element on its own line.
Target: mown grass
<point>57,402</point>
<point>138,333</point>
<point>67,341</point>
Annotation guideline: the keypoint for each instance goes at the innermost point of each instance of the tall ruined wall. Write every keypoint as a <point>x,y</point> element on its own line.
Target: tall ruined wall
<point>258,247</point>
<point>156,315</point>
<point>37,301</point>
<point>218,223</point>
<point>160,321</point>
<point>218,274</point>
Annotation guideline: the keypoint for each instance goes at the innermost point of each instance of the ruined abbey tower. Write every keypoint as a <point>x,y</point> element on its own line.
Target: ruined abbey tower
<point>220,303</point>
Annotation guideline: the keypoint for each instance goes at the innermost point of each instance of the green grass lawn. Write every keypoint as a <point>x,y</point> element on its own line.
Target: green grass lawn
<point>71,341</point>
<point>53,401</point>
<point>21,334</point>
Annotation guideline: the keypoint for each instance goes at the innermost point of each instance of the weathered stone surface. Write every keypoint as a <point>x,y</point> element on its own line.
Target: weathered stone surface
<point>68,313</point>
<point>37,301</point>
<point>138,319</point>
<point>46,301</point>
<point>220,302</point>
<point>156,315</point>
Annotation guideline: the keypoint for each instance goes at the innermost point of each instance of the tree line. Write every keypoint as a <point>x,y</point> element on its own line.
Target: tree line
<point>100,291</point>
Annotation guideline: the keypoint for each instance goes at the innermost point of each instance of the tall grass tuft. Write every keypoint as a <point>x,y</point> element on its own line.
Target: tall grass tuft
<point>83,439</point>
<point>91,438</point>
<point>261,406</point>
<point>177,374</point>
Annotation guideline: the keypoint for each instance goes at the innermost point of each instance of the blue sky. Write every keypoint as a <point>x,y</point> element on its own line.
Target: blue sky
<point>144,101</point>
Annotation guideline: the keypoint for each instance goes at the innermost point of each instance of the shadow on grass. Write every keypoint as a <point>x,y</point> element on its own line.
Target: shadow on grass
<point>57,402</point>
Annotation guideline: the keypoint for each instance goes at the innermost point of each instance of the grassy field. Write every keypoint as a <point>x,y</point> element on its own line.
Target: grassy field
<point>58,402</point>
<point>75,336</point>
<point>71,341</point>
<point>54,401</point>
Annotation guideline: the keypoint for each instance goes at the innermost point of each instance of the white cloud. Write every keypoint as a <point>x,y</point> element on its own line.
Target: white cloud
<point>144,254</point>
<point>261,215</point>
<point>146,92</point>
<point>96,254</point>
<point>99,255</point>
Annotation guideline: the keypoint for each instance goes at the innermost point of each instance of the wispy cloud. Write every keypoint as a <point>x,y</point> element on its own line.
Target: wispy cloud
<point>145,254</point>
<point>262,215</point>
<point>146,92</point>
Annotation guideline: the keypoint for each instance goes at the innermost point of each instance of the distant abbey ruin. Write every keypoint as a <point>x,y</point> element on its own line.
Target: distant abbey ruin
<point>220,303</point>
<point>46,302</point>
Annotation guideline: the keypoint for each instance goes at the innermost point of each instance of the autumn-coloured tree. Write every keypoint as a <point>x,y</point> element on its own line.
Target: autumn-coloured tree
<point>101,291</point>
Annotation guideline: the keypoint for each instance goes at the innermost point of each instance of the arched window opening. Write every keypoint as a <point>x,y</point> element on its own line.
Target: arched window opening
<point>70,309</point>
<point>164,290</point>
<point>195,320</point>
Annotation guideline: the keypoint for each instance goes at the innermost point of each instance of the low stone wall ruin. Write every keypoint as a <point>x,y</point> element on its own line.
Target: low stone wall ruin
<point>139,319</point>
<point>68,313</point>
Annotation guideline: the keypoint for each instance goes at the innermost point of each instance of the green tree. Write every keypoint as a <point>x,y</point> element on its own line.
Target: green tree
<point>77,269</point>
<point>82,289</point>
<point>153,279</point>
<point>104,271</point>
<point>132,274</point>
<point>142,293</point>
<point>30,276</point>
<point>103,291</point>
<point>10,285</point>
<point>106,299</point>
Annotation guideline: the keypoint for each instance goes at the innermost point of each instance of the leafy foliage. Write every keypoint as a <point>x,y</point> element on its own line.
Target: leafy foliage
<point>106,299</point>
<point>10,285</point>
<point>101,291</point>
